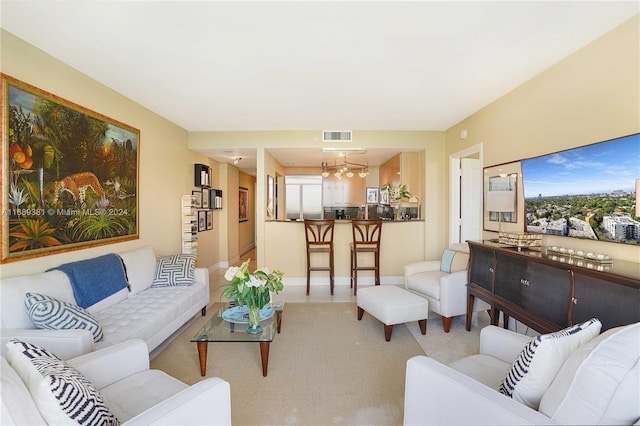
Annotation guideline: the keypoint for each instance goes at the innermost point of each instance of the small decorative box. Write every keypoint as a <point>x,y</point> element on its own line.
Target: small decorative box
<point>520,239</point>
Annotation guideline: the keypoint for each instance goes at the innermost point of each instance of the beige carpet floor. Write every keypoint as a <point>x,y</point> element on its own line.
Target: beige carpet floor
<point>326,367</point>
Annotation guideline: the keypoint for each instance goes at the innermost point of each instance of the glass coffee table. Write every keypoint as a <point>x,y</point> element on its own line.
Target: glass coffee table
<point>219,330</point>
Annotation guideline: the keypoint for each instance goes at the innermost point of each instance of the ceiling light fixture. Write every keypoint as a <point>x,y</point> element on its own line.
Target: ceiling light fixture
<point>346,168</point>
<point>236,160</point>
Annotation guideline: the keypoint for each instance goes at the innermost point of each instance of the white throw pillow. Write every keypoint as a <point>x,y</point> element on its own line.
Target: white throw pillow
<point>53,314</point>
<point>61,393</point>
<point>600,382</point>
<point>140,266</point>
<point>537,365</point>
<point>175,270</point>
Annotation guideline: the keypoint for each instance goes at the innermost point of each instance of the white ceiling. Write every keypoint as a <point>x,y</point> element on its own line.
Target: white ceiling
<point>298,65</point>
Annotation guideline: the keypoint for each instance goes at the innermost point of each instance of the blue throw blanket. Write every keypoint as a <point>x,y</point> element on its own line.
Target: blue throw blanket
<point>95,279</point>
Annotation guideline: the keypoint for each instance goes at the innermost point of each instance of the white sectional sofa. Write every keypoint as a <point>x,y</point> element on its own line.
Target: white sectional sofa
<point>140,311</point>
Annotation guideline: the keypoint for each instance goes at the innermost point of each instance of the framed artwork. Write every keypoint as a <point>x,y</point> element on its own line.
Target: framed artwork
<point>202,220</point>
<point>503,177</point>
<point>384,196</point>
<point>209,219</point>
<point>206,198</point>
<point>372,195</point>
<point>197,199</point>
<point>271,190</point>
<point>243,204</point>
<point>69,175</point>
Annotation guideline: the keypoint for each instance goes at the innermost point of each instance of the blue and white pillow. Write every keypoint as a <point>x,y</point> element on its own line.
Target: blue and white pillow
<point>53,314</point>
<point>174,270</point>
<point>61,393</point>
<point>538,364</point>
<point>453,261</point>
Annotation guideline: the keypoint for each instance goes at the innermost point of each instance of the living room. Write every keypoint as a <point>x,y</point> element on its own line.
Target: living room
<point>589,96</point>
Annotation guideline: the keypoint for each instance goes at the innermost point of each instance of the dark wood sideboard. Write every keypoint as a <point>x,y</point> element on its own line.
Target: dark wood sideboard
<point>548,292</point>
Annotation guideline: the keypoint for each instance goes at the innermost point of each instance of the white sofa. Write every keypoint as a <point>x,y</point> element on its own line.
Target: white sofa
<point>133,393</point>
<point>140,311</point>
<point>596,384</point>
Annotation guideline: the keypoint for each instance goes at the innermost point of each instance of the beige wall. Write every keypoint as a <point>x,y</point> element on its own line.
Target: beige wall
<point>165,168</point>
<point>591,96</point>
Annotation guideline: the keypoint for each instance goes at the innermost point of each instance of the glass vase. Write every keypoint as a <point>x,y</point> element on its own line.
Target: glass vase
<point>254,326</point>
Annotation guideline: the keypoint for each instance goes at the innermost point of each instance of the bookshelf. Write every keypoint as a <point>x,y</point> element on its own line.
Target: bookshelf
<point>189,225</point>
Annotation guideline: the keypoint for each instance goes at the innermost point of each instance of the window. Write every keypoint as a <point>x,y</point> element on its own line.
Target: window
<point>303,197</point>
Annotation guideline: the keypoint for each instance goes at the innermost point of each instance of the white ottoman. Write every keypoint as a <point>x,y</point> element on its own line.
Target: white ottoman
<point>393,305</point>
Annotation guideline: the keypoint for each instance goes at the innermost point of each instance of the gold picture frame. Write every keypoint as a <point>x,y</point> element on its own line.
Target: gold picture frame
<point>70,175</point>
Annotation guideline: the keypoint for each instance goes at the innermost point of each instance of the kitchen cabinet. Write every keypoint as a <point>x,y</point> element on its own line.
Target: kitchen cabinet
<point>343,192</point>
<point>548,294</point>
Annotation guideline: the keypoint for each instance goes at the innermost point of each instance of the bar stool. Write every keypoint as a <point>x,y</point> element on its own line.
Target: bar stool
<point>319,236</point>
<point>366,239</point>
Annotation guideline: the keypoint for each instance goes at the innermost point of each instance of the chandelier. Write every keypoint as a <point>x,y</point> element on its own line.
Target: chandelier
<point>346,168</point>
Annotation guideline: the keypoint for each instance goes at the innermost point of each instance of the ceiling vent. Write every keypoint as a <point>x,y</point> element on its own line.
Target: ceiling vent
<point>337,136</point>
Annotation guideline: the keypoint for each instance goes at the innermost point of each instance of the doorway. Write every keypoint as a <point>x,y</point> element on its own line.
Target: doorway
<point>465,197</point>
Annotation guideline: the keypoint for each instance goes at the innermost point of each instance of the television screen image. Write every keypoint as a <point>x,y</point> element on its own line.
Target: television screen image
<point>585,192</point>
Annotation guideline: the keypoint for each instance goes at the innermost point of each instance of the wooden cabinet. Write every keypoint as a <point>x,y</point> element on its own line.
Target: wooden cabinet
<point>343,192</point>
<point>549,295</point>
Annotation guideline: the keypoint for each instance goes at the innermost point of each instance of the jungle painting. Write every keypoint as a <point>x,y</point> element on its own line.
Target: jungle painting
<point>69,175</point>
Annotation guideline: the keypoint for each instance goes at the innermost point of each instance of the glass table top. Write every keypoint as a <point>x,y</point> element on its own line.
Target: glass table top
<point>216,329</point>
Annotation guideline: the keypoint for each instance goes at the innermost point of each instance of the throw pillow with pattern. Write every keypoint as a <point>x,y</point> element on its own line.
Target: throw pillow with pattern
<point>538,364</point>
<point>174,270</point>
<point>53,314</point>
<point>61,393</point>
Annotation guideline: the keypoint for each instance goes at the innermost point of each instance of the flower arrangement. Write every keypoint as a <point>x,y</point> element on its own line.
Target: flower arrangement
<point>399,193</point>
<point>254,290</point>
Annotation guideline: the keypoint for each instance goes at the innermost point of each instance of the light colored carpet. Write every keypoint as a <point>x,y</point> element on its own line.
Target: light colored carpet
<point>326,367</point>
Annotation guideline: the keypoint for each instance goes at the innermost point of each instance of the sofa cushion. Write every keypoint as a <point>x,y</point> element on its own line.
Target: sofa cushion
<point>453,261</point>
<point>147,315</point>
<point>537,365</point>
<point>483,368</point>
<point>18,408</point>
<point>174,270</point>
<point>426,283</point>
<point>140,266</point>
<point>53,314</point>
<point>62,394</point>
<point>598,384</point>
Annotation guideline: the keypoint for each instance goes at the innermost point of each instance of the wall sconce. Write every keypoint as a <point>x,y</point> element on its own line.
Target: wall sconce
<point>236,160</point>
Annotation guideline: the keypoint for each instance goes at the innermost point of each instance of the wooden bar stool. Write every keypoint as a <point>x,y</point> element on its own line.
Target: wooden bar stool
<point>366,239</point>
<point>319,236</point>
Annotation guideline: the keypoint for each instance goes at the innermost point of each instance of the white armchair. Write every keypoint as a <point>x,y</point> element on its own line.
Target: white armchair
<point>444,283</point>
<point>134,393</point>
<point>596,384</point>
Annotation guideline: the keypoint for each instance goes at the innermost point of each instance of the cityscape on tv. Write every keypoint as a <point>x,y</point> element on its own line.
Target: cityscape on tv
<point>587,192</point>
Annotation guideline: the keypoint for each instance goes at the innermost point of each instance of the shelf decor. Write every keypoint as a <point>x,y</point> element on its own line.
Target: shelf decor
<point>70,175</point>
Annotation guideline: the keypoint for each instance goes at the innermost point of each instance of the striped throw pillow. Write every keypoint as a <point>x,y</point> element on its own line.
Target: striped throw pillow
<point>175,270</point>
<point>538,364</point>
<point>61,393</point>
<point>53,314</point>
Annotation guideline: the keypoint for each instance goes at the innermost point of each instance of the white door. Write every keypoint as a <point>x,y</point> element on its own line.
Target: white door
<point>470,199</point>
<point>465,195</point>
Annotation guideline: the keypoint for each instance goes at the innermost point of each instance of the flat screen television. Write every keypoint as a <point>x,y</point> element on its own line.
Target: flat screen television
<point>586,192</point>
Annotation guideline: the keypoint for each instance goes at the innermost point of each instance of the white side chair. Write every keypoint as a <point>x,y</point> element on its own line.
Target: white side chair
<point>444,283</point>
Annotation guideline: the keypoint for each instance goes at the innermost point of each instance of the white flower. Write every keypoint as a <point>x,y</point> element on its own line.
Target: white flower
<point>231,272</point>
<point>255,282</point>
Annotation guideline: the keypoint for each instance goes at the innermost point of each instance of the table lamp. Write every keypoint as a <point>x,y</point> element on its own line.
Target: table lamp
<point>501,202</point>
